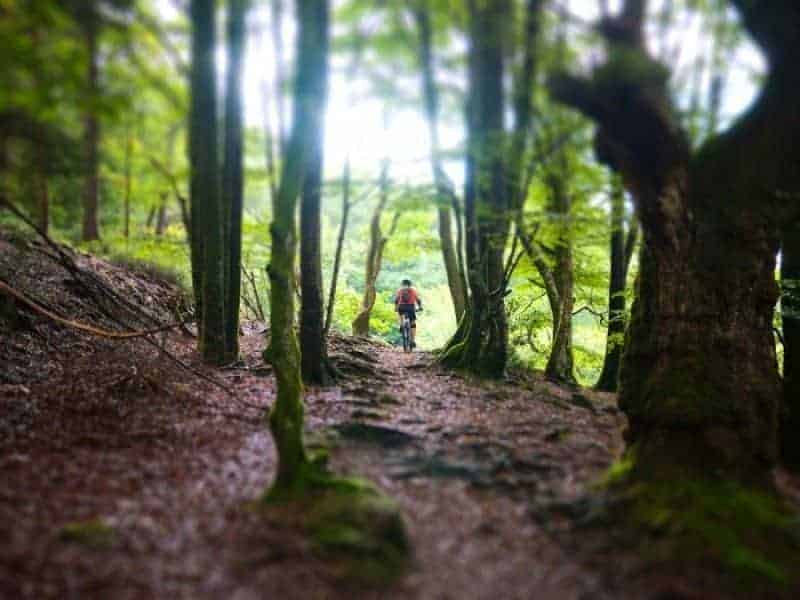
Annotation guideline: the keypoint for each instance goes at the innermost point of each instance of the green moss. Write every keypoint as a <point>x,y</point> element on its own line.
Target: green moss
<point>350,522</point>
<point>685,396</point>
<point>363,531</point>
<point>93,534</point>
<point>617,472</point>
<point>748,533</point>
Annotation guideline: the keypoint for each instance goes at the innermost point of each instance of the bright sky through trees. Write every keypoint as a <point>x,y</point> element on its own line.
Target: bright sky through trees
<point>355,118</point>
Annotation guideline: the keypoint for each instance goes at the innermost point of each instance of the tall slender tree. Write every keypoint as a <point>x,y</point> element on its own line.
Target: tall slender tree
<point>233,173</point>
<point>90,21</point>
<point>208,252</point>
<point>621,249</point>
<point>481,342</point>
<point>337,257</point>
<point>561,362</point>
<point>286,417</point>
<point>312,316</point>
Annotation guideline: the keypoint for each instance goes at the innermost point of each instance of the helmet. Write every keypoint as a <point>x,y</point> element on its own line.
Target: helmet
<point>407,282</point>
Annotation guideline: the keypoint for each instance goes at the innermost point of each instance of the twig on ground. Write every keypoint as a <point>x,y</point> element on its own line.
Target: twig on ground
<point>38,308</point>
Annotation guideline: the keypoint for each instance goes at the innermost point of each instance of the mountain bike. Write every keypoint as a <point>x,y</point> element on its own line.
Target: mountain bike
<point>405,331</point>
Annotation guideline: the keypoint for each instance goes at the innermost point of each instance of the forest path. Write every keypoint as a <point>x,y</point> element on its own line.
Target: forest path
<point>475,466</point>
<point>170,466</point>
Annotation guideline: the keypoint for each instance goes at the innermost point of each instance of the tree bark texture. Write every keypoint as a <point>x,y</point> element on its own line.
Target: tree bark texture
<point>233,174</point>
<point>481,344</point>
<point>699,379</point>
<point>286,417</point>
<point>312,326</point>
<point>208,255</point>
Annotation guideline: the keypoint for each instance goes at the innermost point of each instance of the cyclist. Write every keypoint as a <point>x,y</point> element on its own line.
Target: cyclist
<point>406,302</point>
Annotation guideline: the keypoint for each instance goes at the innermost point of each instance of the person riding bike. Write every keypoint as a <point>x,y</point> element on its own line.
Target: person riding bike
<point>406,302</point>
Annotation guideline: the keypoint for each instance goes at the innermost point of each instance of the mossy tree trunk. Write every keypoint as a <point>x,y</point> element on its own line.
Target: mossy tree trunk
<point>699,379</point>
<point>233,174</point>
<point>208,255</point>
<point>286,417</point>
<point>621,248</point>
<point>313,351</point>
<point>444,188</point>
<point>374,260</point>
<point>481,343</point>
<point>790,309</point>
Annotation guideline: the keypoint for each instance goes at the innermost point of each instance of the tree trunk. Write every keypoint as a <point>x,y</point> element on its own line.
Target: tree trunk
<point>337,258</point>
<point>481,344</point>
<point>790,309</point>
<point>444,188</point>
<point>561,363</point>
<point>374,262</point>
<point>699,379</point>
<point>161,214</point>
<point>208,255</point>
<point>233,174</point>
<point>312,336</point>
<point>609,377</point>
<point>91,230</point>
<point>286,417</point>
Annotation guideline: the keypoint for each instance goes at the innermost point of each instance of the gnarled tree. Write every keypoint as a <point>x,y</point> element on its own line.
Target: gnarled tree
<point>374,261</point>
<point>699,379</point>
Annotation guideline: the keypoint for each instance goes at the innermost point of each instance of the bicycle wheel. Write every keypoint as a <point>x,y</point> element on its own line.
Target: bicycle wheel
<point>406,335</point>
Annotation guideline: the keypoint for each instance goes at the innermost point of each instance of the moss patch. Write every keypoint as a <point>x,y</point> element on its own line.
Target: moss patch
<point>93,534</point>
<point>350,523</point>
<point>748,535</point>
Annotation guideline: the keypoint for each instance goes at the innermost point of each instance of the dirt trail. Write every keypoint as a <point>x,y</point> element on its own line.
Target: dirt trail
<point>171,469</point>
<point>484,462</point>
